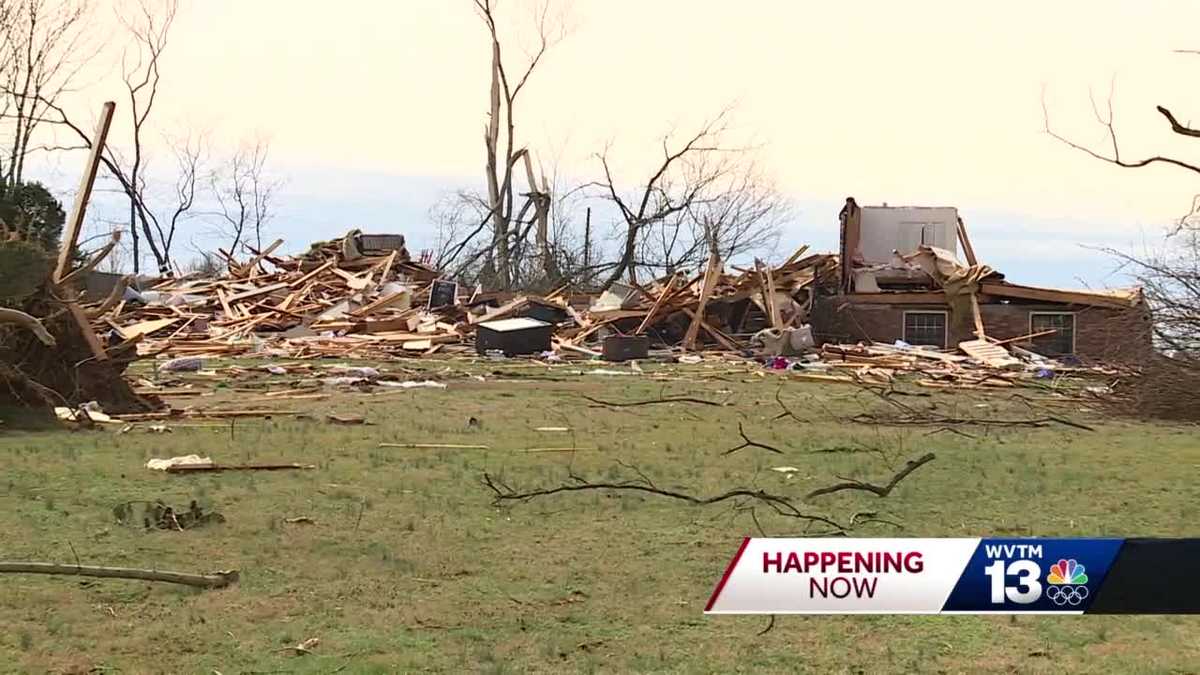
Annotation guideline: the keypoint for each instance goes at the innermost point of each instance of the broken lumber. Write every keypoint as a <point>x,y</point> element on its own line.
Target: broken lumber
<point>219,579</point>
<point>199,468</point>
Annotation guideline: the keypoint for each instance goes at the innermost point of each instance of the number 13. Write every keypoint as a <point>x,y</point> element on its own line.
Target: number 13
<point>1028,588</point>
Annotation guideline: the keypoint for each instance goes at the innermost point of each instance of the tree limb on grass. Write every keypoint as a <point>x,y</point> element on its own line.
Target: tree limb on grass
<point>747,443</point>
<point>778,503</point>
<point>653,401</point>
<point>215,580</point>
<point>881,491</point>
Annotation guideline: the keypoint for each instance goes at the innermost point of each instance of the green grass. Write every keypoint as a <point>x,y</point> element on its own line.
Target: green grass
<point>411,567</point>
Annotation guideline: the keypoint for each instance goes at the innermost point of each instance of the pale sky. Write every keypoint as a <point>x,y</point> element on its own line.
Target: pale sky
<point>373,107</point>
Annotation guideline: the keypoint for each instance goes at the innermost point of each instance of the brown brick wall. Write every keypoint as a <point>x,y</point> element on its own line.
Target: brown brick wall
<point>1101,333</point>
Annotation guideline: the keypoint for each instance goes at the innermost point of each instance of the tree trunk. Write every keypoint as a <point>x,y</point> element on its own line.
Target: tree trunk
<point>626,261</point>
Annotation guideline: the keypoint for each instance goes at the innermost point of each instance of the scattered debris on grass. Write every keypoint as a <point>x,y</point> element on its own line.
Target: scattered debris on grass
<point>158,515</point>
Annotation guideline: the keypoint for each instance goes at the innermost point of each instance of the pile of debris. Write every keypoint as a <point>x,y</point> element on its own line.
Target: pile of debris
<point>362,297</point>
<point>359,285</point>
<point>992,368</point>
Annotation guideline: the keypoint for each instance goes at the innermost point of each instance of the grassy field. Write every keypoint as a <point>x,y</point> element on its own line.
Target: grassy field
<point>411,567</point>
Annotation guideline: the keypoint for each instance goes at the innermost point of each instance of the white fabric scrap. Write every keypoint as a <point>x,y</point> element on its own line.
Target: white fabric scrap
<point>185,460</point>
<point>409,384</point>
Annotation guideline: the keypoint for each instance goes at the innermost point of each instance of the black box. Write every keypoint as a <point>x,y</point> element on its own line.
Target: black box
<point>625,347</point>
<point>513,336</point>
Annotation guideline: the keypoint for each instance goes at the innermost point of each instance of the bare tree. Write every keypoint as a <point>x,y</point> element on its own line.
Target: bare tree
<point>141,75</point>
<point>702,195</point>
<point>1170,278</point>
<point>148,24</point>
<point>244,195</point>
<point>502,153</point>
<point>189,153</point>
<point>741,212</point>
<point>45,43</point>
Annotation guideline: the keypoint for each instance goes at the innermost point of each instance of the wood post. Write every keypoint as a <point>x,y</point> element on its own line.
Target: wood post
<point>710,280</point>
<point>75,222</point>
<point>70,238</point>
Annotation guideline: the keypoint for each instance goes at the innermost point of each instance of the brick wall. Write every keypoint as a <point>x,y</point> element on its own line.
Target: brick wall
<point>1101,333</point>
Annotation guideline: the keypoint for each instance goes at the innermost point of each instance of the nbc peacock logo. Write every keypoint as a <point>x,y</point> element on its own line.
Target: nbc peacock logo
<point>1068,583</point>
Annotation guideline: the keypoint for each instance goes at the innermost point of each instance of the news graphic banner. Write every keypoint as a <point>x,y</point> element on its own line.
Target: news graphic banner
<point>960,576</point>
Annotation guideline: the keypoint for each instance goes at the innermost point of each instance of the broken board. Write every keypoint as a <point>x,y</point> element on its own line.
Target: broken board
<point>993,356</point>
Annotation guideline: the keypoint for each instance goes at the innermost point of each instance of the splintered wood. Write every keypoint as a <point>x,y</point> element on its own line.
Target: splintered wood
<point>340,301</point>
<point>714,309</point>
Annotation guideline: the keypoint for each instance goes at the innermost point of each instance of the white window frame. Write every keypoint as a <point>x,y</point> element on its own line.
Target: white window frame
<point>945,323</point>
<point>1074,325</point>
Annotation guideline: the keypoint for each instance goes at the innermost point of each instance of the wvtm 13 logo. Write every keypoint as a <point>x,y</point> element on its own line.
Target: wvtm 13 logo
<point>1065,584</point>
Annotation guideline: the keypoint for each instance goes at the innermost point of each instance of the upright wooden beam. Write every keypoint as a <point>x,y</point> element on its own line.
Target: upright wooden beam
<point>966,243</point>
<point>767,288</point>
<point>70,236</point>
<point>70,239</point>
<point>710,280</point>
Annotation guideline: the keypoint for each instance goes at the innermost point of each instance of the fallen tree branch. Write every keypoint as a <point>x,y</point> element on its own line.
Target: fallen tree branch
<point>787,412</point>
<point>882,491</point>
<point>747,443</point>
<point>931,419</point>
<point>780,504</point>
<point>653,401</point>
<point>219,579</point>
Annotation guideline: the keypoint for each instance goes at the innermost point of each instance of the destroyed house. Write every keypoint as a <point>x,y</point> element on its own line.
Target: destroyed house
<point>901,278</point>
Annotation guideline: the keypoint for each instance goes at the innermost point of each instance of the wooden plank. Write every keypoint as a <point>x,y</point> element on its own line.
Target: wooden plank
<point>381,303</point>
<point>795,256</point>
<point>145,327</point>
<point>776,319</point>
<point>307,277</point>
<point>1024,338</point>
<point>710,279</point>
<point>966,244</point>
<point>977,317</point>
<point>667,291</point>
<point>70,236</point>
<point>721,338</point>
<point>255,292</point>
<point>768,298</point>
<point>85,327</point>
<point>353,281</point>
<point>249,267</point>
<point>501,311</point>
<point>387,267</point>
<point>920,353</point>
<point>1054,295</point>
<point>993,356</point>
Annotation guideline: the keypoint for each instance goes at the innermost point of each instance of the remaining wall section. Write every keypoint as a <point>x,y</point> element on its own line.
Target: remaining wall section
<point>1101,333</point>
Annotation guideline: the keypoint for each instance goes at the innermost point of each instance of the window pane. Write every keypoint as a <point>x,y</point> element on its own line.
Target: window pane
<point>1062,341</point>
<point>925,328</point>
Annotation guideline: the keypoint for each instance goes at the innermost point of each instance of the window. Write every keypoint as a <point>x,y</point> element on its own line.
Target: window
<point>925,328</point>
<point>1061,341</point>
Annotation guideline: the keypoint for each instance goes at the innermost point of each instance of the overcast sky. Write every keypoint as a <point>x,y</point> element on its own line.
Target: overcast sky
<point>374,107</point>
